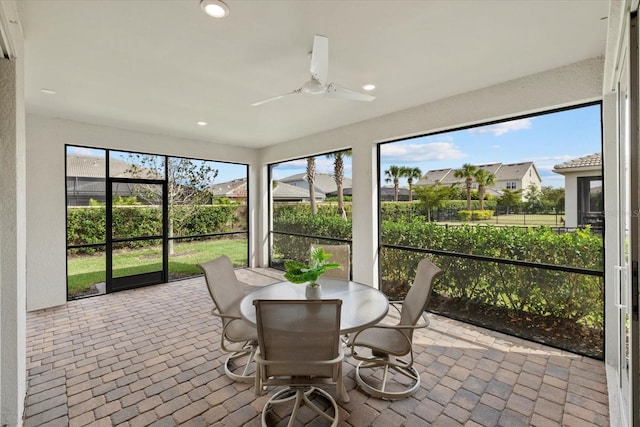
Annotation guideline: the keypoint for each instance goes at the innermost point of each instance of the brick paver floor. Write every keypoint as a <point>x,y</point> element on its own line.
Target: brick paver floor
<point>151,356</point>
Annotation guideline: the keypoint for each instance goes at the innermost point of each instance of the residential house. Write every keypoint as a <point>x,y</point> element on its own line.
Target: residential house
<point>324,182</point>
<point>583,191</point>
<point>235,190</point>
<point>512,176</point>
<point>283,192</point>
<point>86,180</point>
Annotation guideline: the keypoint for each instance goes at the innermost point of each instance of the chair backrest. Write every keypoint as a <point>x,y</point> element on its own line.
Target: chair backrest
<point>300,333</point>
<point>224,287</point>
<point>341,255</point>
<point>417,298</point>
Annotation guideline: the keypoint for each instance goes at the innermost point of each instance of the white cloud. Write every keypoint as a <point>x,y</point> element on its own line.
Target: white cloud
<point>413,153</point>
<point>502,128</point>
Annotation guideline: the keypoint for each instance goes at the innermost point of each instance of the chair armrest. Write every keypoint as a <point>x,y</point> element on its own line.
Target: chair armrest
<point>424,324</point>
<point>397,305</point>
<point>217,313</point>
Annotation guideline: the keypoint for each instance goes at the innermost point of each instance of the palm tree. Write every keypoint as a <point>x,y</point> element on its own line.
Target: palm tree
<point>484,179</point>
<point>311,179</point>
<point>393,174</point>
<point>411,174</point>
<point>467,172</point>
<point>338,176</point>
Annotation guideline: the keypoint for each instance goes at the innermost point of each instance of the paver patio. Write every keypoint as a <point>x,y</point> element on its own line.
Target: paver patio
<point>152,356</point>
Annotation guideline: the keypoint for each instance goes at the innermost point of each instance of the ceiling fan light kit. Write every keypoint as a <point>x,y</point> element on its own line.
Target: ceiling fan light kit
<point>215,8</point>
<point>317,84</point>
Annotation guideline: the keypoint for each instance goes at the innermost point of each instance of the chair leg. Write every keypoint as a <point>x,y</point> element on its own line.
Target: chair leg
<point>381,391</point>
<point>244,376</point>
<point>301,396</point>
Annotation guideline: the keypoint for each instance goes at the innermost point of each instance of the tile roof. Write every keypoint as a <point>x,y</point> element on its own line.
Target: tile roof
<point>324,182</point>
<point>284,191</point>
<point>592,161</point>
<point>236,188</point>
<point>94,167</point>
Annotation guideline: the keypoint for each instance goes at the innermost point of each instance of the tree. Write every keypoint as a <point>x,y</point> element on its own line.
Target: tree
<point>510,199</point>
<point>434,196</point>
<point>467,172</point>
<point>553,198</point>
<point>393,174</point>
<point>311,179</point>
<point>411,174</point>
<point>338,177</point>
<point>187,181</point>
<point>484,179</point>
<point>533,198</point>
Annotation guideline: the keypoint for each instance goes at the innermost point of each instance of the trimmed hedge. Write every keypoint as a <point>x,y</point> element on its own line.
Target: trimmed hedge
<point>297,247</point>
<point>87,225</point>
<point>570,296</point>
<point>465,215</point>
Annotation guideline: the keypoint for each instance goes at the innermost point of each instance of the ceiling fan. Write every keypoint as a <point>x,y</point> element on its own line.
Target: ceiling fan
<point>318,83</point>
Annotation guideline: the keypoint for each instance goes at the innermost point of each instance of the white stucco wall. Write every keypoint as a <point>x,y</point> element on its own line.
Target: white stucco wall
<point>12,228</point>
<point>565,86</point>
<point>46,137</point>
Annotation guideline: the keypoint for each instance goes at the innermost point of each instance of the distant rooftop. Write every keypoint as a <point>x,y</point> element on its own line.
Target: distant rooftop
<point>592,161</point>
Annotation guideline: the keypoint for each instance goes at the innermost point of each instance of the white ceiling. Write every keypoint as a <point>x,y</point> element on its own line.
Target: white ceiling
<point>162,65</point>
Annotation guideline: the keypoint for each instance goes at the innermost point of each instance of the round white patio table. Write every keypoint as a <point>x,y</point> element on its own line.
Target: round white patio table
<point>362,305</point>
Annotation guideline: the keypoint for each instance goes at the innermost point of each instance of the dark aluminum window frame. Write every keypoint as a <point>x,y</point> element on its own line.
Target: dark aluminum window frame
<point>178,238</point>
<point>567,269</point>
<point>271,232</point>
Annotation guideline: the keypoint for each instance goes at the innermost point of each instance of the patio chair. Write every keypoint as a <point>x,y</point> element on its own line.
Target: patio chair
<point>299,348</point>
<point>387,344</point>
<point>238,337</point>
<point>341,255</point>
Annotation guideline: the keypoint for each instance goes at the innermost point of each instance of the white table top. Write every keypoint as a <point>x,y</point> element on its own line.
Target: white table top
<point>362,305</point>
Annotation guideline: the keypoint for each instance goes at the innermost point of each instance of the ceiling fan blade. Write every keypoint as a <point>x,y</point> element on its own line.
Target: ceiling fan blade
<point>337,91</point>
<point>320,59</point>
<point>264,101</point>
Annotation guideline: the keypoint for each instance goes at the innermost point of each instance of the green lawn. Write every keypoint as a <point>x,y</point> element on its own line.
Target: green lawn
<point>86,270</point>
<point>549,220</point>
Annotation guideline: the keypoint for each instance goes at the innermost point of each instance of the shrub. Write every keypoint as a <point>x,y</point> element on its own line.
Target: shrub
<point>465,215</point>
<point>297,247</point>
<point>475,215</point>
<point>87,225</point>
<point>570,296</point>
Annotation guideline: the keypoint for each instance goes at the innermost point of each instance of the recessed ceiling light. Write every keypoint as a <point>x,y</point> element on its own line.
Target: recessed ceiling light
<point>48,91</point>
<point>369,86</point>
<point>201,123</point>
<point>215,8</point>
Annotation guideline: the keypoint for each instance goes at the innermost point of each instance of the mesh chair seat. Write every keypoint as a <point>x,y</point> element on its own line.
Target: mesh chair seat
<point>299,347</point>
<point>386,344</point>
<point>238,337</point>
<point>383,341</point>
<point>240,330</point>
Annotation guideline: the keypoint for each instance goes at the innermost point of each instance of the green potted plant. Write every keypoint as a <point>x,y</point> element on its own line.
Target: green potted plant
<point>298,272</point>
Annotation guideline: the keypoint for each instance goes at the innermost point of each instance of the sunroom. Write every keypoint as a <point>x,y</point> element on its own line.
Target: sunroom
<point>109,80</point>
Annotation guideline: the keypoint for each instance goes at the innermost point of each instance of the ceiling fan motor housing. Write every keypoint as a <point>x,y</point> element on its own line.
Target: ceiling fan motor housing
<point>313,87</point>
